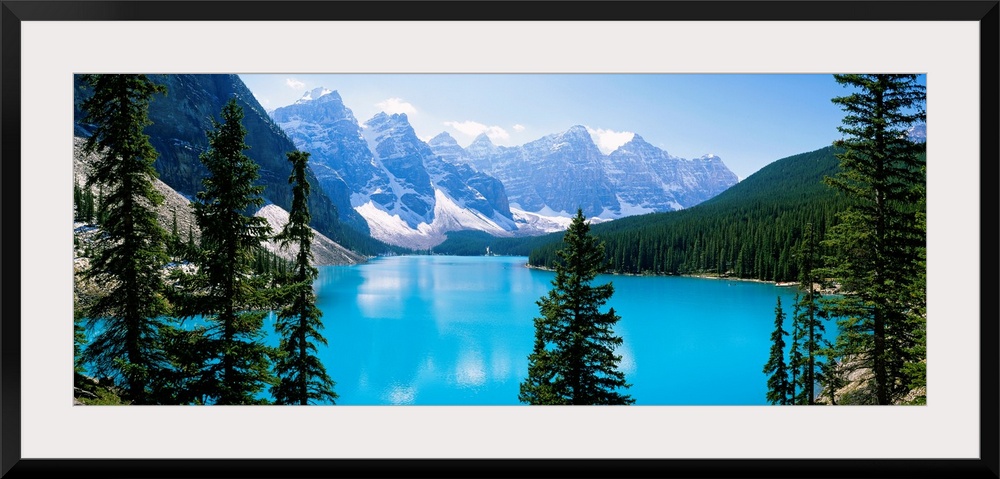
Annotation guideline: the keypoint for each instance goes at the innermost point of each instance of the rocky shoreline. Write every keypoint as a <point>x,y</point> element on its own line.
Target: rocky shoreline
<point>816,286</point>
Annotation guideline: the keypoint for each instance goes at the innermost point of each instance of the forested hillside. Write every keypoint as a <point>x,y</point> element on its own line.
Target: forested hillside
<point>748,231</point>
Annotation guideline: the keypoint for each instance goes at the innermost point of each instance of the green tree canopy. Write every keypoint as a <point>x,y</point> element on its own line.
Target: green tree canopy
<point>131,250</point>
<point>778,387</point>
<point>233,299</point>
<point>809,316</point>
<point>573,359</point>
<point>302,378</point>
<point>877,247</point>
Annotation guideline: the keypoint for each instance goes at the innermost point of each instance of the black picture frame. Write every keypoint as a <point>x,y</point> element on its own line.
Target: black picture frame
<point>12,13</point>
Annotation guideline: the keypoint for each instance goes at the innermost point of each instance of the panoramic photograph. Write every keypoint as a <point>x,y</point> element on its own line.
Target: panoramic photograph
<point>499,239</point>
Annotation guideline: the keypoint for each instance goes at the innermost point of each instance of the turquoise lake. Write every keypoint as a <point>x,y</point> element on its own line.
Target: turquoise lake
<point>448,330</point>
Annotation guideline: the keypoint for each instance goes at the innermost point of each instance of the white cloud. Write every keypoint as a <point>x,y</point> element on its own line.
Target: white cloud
<point>469,128</point>
<point>474,128</point>
<point>518,127</point>
<point>294,84</point>
<point>609,140</point>
<point>396,105</point>
<point>497,134</point>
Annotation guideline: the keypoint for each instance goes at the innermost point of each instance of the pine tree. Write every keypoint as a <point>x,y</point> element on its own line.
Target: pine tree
<point>174,242</point>
<point>831,374</point>
<point>915,367</point>
<point>573,359</point>
<point>191,248</point>
<point>778,386</point>
<point>301,375</point>
<point>77,203</point>
<point>796,361</point>
<point>808,313</point>
<point>877,244</point>
<point>131,253</point>
<point>79,341</point>
<point>235,301</point>
<point>88,206</point>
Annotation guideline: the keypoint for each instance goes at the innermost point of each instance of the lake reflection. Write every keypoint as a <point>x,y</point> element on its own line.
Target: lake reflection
<point>441,330</point>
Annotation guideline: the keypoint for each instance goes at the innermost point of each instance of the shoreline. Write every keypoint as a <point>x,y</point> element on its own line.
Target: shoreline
<point>701,276</point>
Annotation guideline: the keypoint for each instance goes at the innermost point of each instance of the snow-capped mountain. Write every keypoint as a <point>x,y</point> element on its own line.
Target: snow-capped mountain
<point>411,193</point>
<point>408,195</point>
<point>314,94</point>
<point>321,125</point>
<point>556,174</point>
<point>647,178</point>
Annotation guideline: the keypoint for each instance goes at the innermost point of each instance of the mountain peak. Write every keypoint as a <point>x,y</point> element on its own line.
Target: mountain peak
<point>637,140</point>
<point>316,94</point>
<point>442,138</point>
<point>383,120</point>
<point>634,144</point>
<point>482,139</point>
<point>577,134</point>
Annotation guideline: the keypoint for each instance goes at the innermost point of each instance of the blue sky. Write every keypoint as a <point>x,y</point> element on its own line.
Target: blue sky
<point>749,120</point>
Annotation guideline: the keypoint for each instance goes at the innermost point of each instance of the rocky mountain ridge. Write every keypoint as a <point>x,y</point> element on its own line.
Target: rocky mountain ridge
<point>569,172</point>
<point>412,193</point>
<point>407,194</point>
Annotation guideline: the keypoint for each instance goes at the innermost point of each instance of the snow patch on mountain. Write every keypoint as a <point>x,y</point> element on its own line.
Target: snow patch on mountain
<point>370,136</point>
<point>536,223</point>
<point>545,221</point>
<point>448,216</point>
<point>313,94</point>
<point>628,209</point>
<point>388,227</point>
<point>325,251</point>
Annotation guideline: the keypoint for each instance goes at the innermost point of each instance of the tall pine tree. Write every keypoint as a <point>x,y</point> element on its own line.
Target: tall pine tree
<point>796,361</point>
<point>235,301</point>
<point>878,243</point>
<point>131,252</point>
<point>915,367</point>
<point>830,375</point>
<point>573,360</point>
<point>302,378</point>
<point>778,387</point>
<point>808,315</point>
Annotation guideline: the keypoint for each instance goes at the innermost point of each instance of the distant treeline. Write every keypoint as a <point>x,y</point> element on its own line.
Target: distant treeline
<point>474,243</point>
